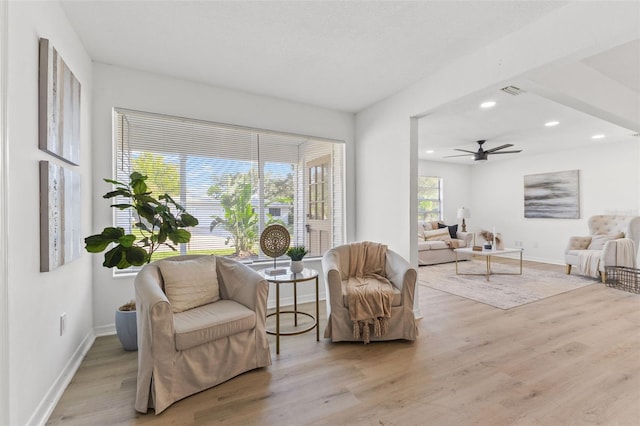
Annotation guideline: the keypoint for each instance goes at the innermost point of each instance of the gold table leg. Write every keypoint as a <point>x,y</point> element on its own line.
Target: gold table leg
<point>277,318</point>
<point>295,304</point>
<point>317,312</point>
<point>488,267</point>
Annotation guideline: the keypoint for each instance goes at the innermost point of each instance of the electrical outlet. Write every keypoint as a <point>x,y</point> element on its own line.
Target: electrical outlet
<point>63,323</point>
<point>518,243</point>
<point>535,244</point>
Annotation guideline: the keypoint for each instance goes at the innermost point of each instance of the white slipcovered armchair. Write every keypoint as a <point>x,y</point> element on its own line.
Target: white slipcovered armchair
<point>612,241</point>
<point>338,265</point>
<point>191,338</point>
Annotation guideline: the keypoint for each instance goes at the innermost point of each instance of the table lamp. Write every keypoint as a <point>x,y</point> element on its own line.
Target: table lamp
<point>463,214</point>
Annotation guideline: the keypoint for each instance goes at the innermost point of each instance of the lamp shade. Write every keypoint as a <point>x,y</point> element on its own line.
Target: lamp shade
<point>463,213</point>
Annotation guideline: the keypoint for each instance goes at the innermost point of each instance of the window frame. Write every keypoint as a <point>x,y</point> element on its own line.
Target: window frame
<point>336,148</point>
<point>425,215</point>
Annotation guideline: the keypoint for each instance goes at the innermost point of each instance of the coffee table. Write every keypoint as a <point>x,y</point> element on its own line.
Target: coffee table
<point>487,254</point>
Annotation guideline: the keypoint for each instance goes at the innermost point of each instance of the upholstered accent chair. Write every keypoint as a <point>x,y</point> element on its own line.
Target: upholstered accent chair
<point>338,267</point>
<point>612,241</point>
<point>201,321</point>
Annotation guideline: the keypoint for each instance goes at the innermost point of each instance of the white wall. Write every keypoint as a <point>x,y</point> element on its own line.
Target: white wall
<point>456,187</point>
<point>608,185</point>
<point>126,88</point>
<point>383,130</point>
<point>39,358</point>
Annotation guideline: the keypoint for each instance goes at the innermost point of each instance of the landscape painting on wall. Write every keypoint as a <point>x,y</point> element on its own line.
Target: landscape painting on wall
<point>60,238</point>
<point>59,106</point>
<point>552,195</point>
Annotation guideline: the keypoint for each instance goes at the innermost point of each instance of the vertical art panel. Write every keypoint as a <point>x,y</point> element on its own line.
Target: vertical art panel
<point>60,238</point>
<point>59,106</point>
<point>552,195</point>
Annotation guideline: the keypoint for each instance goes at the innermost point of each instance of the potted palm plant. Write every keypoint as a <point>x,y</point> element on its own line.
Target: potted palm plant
<point>159,222</point>
<point>297,253</point>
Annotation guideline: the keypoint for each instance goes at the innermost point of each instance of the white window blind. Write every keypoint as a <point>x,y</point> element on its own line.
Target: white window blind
<point>429,198</point>
<point>235,181</point>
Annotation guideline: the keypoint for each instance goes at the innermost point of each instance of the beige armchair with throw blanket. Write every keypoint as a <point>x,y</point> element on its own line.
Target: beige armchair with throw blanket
<point>201,321</point>
<point>370,291</point>
<point>613,241</point>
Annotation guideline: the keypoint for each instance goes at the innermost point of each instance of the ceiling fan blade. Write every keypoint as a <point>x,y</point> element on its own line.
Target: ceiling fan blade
<point>461,155</point>
<point>505,152</point>
<point>464,150</point>
<point>499,147</point>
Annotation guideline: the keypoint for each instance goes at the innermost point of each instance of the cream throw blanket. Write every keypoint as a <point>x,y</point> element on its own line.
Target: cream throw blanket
<point>369,292</point>
<point>589,260</point>
<point>625,253</point>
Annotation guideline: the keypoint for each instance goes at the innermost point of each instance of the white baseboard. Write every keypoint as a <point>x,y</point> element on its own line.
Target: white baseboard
<point>53,395</point>
<point>105,330</point>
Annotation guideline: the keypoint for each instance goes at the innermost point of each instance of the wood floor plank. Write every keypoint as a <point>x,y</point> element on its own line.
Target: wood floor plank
<point>571,359</point>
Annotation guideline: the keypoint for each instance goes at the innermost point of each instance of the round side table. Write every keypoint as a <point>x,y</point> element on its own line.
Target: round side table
<point>289,277</point>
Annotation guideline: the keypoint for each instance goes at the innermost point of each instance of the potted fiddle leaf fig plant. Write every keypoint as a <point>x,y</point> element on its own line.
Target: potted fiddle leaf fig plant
<point>297,253</point>
<point>159,222</point>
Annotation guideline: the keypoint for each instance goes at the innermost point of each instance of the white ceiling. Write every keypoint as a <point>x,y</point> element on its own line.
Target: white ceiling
<point>343,55</point>
<point>519,120</point>
<point>346,55</point>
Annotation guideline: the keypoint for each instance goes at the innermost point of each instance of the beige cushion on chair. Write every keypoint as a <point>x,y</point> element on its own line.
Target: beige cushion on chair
<point>211,322</point>
<point>598,241</point>
<point>190,283</point>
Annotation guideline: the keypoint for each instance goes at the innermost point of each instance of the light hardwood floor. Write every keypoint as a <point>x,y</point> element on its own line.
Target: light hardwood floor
<point>572,359</point>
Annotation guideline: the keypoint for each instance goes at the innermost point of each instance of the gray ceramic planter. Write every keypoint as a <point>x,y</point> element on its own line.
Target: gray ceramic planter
<point>127,329</point>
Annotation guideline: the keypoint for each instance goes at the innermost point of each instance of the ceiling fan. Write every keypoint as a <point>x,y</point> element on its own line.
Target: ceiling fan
<point>481,154</point>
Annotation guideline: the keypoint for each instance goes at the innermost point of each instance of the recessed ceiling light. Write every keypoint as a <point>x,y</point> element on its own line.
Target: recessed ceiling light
<point>598,136</point>
<point>429,151</point>
<point>551,123</point>
<point>488,104</point>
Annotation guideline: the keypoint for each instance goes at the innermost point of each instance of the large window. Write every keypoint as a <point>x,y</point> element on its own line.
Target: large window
<point>429,198</point>
<point>235,181</point>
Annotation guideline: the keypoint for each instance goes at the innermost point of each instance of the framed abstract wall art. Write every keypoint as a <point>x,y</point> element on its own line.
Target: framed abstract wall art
<point>552,195</point>
<point>59,106</point>
<point>60,230</point>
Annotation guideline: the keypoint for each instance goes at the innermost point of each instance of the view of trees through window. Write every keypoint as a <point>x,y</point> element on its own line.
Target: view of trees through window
<point>235,181</point>
<point>429,198</point>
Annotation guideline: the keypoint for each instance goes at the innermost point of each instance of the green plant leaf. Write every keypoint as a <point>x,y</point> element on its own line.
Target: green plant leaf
<point>114,257</point>
<point>127,240</point>
<point>96,243</point>
<point>137,256</point>
<point>121,206</point>
<point>180,236</point>
<point>117,193</point>
<point>188,220</point>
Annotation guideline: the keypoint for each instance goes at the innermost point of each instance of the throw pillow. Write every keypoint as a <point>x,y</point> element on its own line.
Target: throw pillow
<point>190,283</point>
<point>437,235</point>
<point>431,225</point>
<point>598,241</point>
<point>453,229</point>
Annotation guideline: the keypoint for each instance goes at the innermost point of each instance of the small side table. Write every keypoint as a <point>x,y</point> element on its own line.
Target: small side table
<point>293,278</point>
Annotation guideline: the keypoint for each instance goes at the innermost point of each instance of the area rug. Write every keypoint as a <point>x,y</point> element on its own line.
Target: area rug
<point>502,291</point>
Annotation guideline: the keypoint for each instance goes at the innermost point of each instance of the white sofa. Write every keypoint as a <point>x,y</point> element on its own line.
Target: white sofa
<point>612,241</point>
<point>434,246</point>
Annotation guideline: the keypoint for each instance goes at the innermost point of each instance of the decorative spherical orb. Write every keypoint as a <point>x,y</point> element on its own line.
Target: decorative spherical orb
<point>275,240</point>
